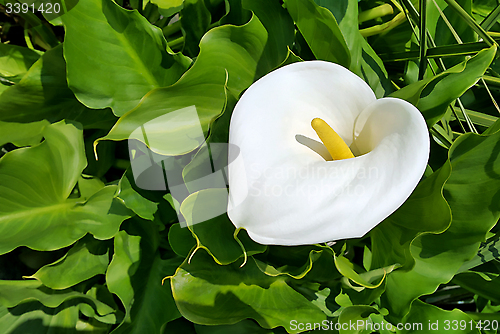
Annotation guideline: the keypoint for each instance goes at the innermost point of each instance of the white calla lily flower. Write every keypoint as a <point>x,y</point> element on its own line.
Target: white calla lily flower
<point>287,190</point>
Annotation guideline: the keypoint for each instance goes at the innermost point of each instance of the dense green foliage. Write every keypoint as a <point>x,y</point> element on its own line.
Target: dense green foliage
<point>84,249</point>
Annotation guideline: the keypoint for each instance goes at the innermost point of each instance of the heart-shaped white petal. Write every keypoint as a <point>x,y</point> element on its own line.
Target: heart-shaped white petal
<point>283,191</point>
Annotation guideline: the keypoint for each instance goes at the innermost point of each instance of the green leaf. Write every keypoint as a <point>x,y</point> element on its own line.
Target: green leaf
<point>280,33</point>
<point>210,294</point>
<point>235,13</point>
<point>293,271</point>
<point>102,294</point>
<point>212,157</point>
<point>320,30</point>
<point>478,118</point>
<point>355,315</point>
<point>243,327</point>
<point>13,293</point>
<point>132,198</point>
<point>35,210</point>
<point>471,193</point>
<point>481,285</point>
<point>33,318</point>
<point>228,58</point>
<point>43,93</point>
<point>426,210</point>
<point>314,262</point>
<point>4,86</point>
<point>136,58</point>
<point>440,31</point>
<point>25,302</point>
<point>22,134</point>
<point>364,61</point>
<point>205,214</point>
<point>100,162</point>
<point>195,19</point>
<point>486,253</point>
<point>168,8</point>
<point>87,258</point>
<point>373,71</point>
<point>16,60</point>
<point>346,14</point>
<point>466,17</point>
<point>181,240</point>
<point>425,318</point>
<point>135,275</point>
<point>371,279</point>
<point>433,95</point>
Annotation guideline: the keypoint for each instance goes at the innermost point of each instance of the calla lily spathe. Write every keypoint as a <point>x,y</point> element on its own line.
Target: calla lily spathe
<point>285,192</point>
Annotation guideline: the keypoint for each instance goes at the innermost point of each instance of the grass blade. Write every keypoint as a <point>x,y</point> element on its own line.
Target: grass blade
<point>477,118</point>
<point>491,19</point>
<point>423,39</point>
<point>471,22</point>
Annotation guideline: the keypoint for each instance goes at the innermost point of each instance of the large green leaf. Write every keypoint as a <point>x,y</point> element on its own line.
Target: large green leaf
<point>320,30</point>
<point>43,93</point>
<point>314,262</point>
<point>425,318</point>
<point>471,193</point>
<point>371,279</point>
<point>36,183</point>
<point>16,60</point>
<point>205,214</point>
<point>364,61</point>
<point>4,86</point>
<point>481,285</point>
<point>346,15</point>
<point>280,33</point>
<point>433,95</point>
<point>135,275</point>
<point>210,294</point>
<point>87,258</point>
<point>36,319</point>
<point>181,240</point>
<point>226,52</point>
<point>22,134</point>
<point>13,293</point>
<point>30,307</point>
<point>136,58</point>
<point>168,7</point>
<point>316,256</point>
<point>424,211</point>
<point>358,315</point>
<point>235,13</point>
<point>129,194</point>
<point>195,19</point>
<point>212,157</point>
<point>487,252</point>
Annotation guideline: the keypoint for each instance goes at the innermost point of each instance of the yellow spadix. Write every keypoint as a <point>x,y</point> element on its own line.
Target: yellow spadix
<point>335,145</point>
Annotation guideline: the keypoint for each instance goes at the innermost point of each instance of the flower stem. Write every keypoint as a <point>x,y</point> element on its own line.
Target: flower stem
<point>176,43</point>
<point>385,27</point>
<point>172,28</point>
<point>374,13</point>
